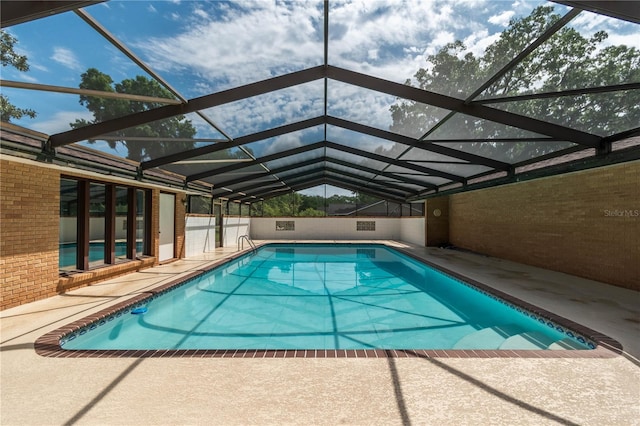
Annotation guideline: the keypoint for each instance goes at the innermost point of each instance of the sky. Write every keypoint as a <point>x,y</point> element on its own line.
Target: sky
<point>205,47</point>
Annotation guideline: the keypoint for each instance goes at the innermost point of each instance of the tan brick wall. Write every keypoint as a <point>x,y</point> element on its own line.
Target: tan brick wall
<point>584,223</point>
<point>29,222</point>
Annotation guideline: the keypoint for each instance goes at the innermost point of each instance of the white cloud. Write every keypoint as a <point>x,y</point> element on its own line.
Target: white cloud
<point>59,121</point>
<point>103,146</point>
<point>201,13</point>
<point>230,46</point>
<point>502,19</point>
<point>39,67</point>
<point>620,32</point>
<point>359,105</point>
<point>283,143</point>
<point>400,32</point>
<point>67,58</point>
<point>631,40</point>
<point>589,22</point>
<point>224,46</point>
<point>270,110</point>
<point>152,9</point>
<point>439,40</point>
<point>259,41</point>
<point>477,42</point>
<point>28,78</point>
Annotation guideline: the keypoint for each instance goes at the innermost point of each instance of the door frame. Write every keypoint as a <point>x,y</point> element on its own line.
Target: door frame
<point>162,257</point>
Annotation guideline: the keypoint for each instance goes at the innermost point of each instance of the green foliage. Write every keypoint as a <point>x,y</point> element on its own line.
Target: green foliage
<point>566,61</point>
<point>310,213</point>
<point>296,204</point>
<point>107,108</point>
<point>280,206</point>
<point>8,57</point>
<point>199,204</point>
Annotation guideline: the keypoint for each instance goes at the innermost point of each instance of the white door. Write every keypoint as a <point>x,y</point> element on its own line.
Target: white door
<point>167,217</point>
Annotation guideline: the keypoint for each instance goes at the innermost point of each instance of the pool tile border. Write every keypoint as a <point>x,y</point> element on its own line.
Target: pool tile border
<point>49,344</point>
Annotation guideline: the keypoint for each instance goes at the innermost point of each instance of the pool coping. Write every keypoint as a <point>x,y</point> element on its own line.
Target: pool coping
<point>49,344</point>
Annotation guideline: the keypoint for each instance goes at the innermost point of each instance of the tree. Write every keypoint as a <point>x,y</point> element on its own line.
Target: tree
<point>566,61</point>
<point>8,57</point>
<point>296,204</point>
<point>107,108</point>
<point>279,206</point>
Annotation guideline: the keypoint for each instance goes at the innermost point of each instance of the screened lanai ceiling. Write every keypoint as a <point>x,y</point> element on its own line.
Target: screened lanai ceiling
<point>401,100</point>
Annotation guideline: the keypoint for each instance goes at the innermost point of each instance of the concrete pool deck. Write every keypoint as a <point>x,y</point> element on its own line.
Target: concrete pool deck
<point>38,390</point>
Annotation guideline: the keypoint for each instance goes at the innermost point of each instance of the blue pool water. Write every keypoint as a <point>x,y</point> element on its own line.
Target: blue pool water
<point>324,297</point>
<point>96,252</point>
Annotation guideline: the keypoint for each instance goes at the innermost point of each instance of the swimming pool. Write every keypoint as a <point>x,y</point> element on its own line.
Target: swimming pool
<point>323,297</point>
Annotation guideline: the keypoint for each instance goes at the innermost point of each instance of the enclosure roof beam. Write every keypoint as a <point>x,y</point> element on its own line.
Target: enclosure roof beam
<point>281,182</point>
<point>86,92</point>
<point>242,140</point>
<point>18,12</point>
<point>193,105</point>
<point>290,181</point>
<point>561,94</point>
<point>326,144</point>
<point>335,182</point>
<point>458,105</point>
<point>242,195</point>
<point>380,173</point>
<point>625,10</point>
<point>258,161</point>
<point>218,190</point>
<point>393,161</point>
<point>367,183</point>
<point>415,143</point>
<point>219,185</point>
<point>403,192</point>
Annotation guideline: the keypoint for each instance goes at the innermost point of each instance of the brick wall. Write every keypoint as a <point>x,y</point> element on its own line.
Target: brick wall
<point>585,223</point>
<point>29,235</point>
<point>29,222</point>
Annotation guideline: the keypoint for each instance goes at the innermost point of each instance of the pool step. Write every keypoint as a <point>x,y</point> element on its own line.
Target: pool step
<point>566,343</point>
<point>528,340</point>
<point>488,338</point>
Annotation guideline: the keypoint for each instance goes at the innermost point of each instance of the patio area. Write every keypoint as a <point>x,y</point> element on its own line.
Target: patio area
<point>413,390</point>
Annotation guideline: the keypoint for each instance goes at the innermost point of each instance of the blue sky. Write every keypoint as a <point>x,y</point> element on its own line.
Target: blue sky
<point>204,47</point>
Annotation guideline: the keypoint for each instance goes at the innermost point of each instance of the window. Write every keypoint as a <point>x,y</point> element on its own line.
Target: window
<point>233,209</point>
<point>97,235</point>
<point>101,224</point>
<point>122,229</point>
<point>68,224</point>
<point>199,204</point>
<point>143,221</point>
